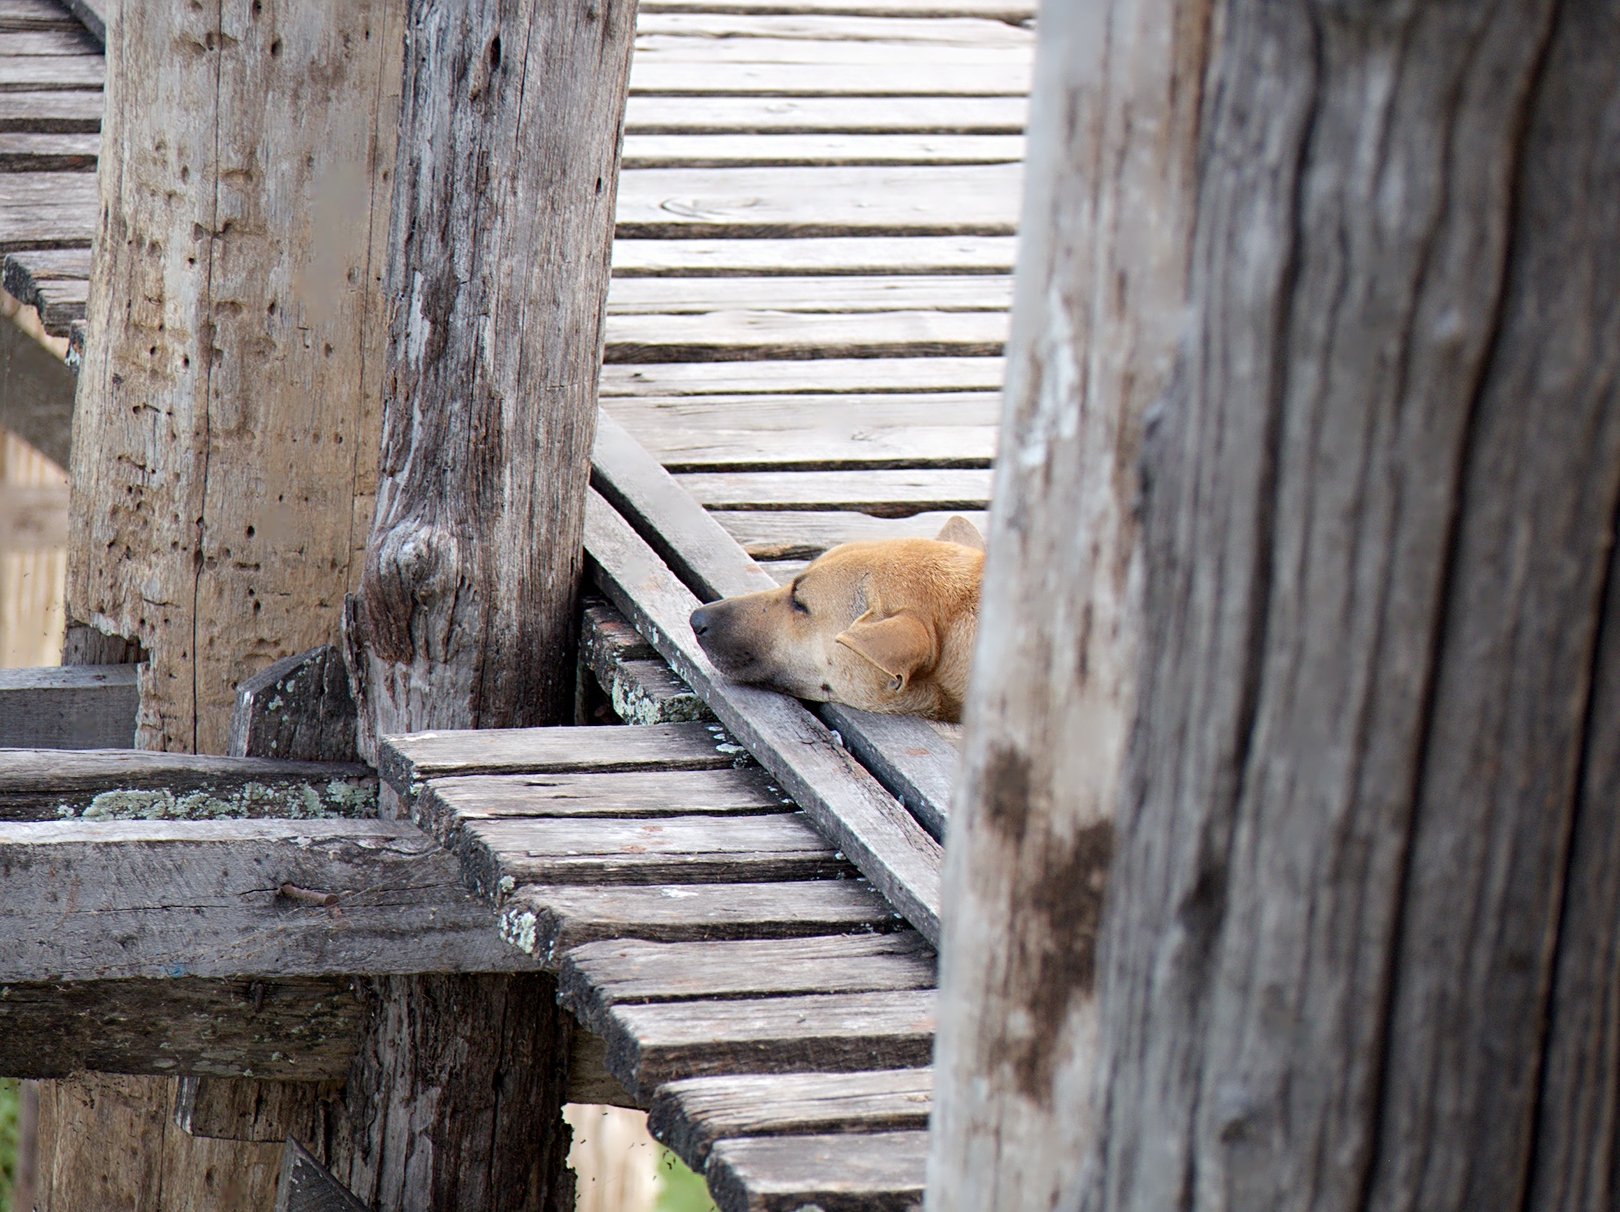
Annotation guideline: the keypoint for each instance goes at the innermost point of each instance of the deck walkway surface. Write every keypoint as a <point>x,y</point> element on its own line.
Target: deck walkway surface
<point>812,273</point>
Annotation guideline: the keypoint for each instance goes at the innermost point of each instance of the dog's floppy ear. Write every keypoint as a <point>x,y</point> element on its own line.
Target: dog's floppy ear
<point>958,529</point>
<point>899,645</point>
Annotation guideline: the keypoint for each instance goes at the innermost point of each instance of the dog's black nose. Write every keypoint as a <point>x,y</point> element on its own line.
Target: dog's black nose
<point>701,618</point>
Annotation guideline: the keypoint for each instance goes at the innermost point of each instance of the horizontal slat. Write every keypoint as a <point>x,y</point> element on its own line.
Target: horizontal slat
<point>768,535</point>
<point>691,1114</point>
<point>596,977</point>
<point>651,1044</point>
<point>623,794</point>
<point>1003,10</point>
<point>60,38</point>
<point>880,1172</point>
<point>759,433</point>
<point>829,375</point>
<point>668,850</point>
<point>759,336</point>
<point>892,494</point>
<point>829,255</point>
<point>545,922</point>
<point>118,899</point>
<point>405,761</point>
<point>807,115</point>
<point>687,203</point>
<point>26,152</point>
<point>68,707</point>
<point>752,150</point>
<point>699,77</point>
<point>125,784</point>
<point>832,295</point>
<point>46,210</point>
<point>843,39</point>
<point>51,112</point>
<point>51,73</point>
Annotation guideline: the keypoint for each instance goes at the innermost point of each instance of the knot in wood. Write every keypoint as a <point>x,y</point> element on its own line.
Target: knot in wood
<point>420,560</point>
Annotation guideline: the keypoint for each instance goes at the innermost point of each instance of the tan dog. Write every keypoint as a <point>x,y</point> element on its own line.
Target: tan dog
<point>887,625</point>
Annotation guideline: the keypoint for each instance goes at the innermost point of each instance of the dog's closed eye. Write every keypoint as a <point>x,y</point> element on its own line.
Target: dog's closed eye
<point>793,596</point>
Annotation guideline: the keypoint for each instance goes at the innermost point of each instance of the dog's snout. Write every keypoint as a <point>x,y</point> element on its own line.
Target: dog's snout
<point>702,620</point>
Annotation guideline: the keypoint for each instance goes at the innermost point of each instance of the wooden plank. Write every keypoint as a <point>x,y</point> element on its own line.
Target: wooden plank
<point>810,115</point>
<point>894,35</point>
<point>503,852</point>
<point>999,10</point>
<point>257,1111</point>
<point>903,754</point>
<point>30,152</point>
<point>46,210</point>
<point>52,73</point>
<point>847,805</point>
<point>836,294</point>
<point>65,37</point>
<point>123,784</point>
<point>780,151</point>
<point>287,1028</point>
<point>297,708</point>
<point>95,15</point>
<point>68,707</point>
<point>690,1115</point>
<point>56,113</point>
<point>890,494</point>
<point>831,375</point>
<point>826,1033</point>
<point>18,15</point>
<point>55,281</point>
<point>546,922</point>
<point>690,203</point>
<point>880,1172</point>
<point>639,686</point>
<point>827,255</point>
<point>598,976</point>
<point>701,75</point>
<point>782,535</point>
<point>117,899</point>
<point>406,761</point>
<point>759,433</point>
<point>759,336</point>
<point>305,1185</point>
<point>623,795</point>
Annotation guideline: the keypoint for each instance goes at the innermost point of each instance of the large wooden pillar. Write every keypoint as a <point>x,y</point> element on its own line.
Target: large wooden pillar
<point>1362,919</point>
<point>497,271</point>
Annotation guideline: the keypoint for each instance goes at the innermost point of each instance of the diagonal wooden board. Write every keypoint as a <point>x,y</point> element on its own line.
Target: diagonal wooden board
<point>848,805</point>
<point>908,757</point>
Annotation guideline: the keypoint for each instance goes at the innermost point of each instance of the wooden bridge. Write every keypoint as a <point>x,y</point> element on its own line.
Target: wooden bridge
<point>811,279</point>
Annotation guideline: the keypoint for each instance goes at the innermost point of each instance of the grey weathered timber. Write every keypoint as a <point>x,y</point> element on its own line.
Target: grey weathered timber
<point>833,294</point>
<point>891,494</point>
<point>1007,75</point>
<point>757,336</point>
<point>96,15</point>
<point>1016,10</point>
<point>121,784</point>
<point>546,922</point>
<point>307,1186</point>
<point>46,153</point>
<point>465,615</point>
<point>771,203</point>
<point>800,375</point>
<point>36,394</point>
<point>262,213</point>
<point>691,1114</point>
<point>598,976</point>
<point>67,707</point>
<point>623,795</point>
<point>789,150</point>
<point>639,686</point>
<point>797,535</point>
<point>844,801</point>
<point>1353,937</point>
<point>119,899</point>
<point>298,708</point>
<point>826,255</point>
<point>804,115</point>
<point>407,761</point>
<point>904,754</point>
<point>652,1044</point>
<point>1101,277</point>
<point>260,1111</point>
<point>879,1172</point>
<point>666,850</point>
<point>293,1028</point>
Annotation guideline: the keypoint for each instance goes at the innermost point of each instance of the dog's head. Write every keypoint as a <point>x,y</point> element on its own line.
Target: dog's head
<point>885,625</point>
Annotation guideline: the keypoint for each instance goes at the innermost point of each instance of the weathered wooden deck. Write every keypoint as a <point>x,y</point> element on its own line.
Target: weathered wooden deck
<point>812,274</point>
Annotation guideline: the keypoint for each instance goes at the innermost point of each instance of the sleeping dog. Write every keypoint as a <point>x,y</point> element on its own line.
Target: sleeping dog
<point>886,625</point>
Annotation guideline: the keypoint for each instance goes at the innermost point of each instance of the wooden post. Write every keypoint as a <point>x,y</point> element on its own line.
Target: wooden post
<point>1101,276</point>
<point>498,265</point>
<point>1360,938</point>
<point>498,270</point>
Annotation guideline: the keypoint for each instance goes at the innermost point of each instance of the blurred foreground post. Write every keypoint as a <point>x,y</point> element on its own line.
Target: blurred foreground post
<point>1360,938</point>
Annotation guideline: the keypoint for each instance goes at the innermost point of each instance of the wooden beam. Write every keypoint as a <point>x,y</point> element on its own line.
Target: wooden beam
<point>119,784</point>
<point>880,1172</point>
<point>67,707</point>
<point>906,755</point>
<point>152,899</point>
<point>846,803</point>
<point>297,708</point>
